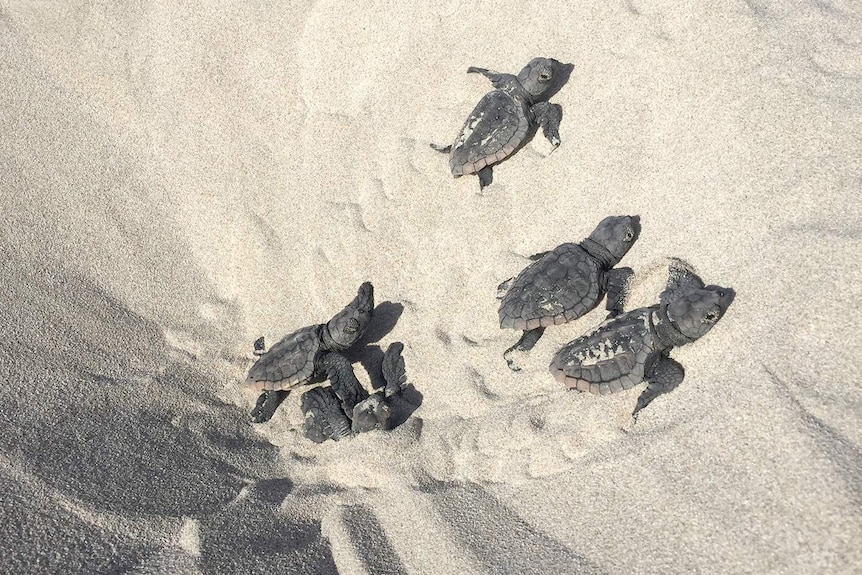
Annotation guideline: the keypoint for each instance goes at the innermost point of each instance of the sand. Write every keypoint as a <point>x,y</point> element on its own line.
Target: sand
<point>178,181</point>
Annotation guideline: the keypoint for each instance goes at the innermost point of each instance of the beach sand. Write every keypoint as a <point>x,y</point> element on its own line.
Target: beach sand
<point>179,181</point>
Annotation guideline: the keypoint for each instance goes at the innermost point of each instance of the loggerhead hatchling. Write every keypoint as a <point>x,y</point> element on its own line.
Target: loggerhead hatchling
<point>500,122</point>
<point>327,418</point>
<point>567,282</point>
<point>310,353</point>
<point>635,346</point>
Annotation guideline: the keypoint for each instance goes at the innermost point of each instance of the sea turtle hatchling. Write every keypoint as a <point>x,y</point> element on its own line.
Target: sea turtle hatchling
<point>501,120</point>
<point>634,347</point>
<point>328,418</point>
<point>309,354</point>
<point>567,282</point>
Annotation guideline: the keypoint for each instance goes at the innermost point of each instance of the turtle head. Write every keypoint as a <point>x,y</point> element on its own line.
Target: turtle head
<point>694,311</point>
<point>617,234</point>
<point>371,413</point>
<point>349,324</point>
<point>539,75</point>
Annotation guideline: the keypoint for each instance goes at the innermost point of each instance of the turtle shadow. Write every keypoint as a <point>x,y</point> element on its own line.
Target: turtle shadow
<point>403,405</point>
<point>385,315</point>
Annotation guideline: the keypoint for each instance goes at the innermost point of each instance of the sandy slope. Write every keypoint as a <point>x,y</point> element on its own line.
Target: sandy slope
<point>176,182</point>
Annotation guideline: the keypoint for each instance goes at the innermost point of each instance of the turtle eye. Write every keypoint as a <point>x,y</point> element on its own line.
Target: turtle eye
<point>545,75</point>
<point>630,234</point>
<point>352,325</point>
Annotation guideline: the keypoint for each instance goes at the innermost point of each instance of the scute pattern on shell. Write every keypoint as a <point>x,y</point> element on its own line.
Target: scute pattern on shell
<point>492,132</point>
<point>288,363</point>
<point>563,285</point>
<point>610,359</point>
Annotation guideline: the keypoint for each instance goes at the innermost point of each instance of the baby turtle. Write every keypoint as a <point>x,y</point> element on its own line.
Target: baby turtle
<point>635,346</point>
<point>327,418</point>
<point>567,282</point>
<point>310,353</point>
<point>501,120</point>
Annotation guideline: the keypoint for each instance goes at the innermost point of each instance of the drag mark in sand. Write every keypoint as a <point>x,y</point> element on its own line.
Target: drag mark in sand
<point>840,451</point>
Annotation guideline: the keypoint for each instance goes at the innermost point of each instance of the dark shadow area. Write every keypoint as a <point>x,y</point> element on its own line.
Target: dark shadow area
<point>98,413</point>
<point>96,409</point>
<point>371,358</point>
<point>467,508</point>
<point>404,405</point>
<point>385,316</point>
<point>273,491</point>
<point>130,461</point>
<point>56,541</point>
<point>370,542</point>
<point>254,537</point>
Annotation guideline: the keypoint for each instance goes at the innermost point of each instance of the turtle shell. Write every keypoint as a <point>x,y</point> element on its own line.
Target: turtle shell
<point>563,285</point>
<point>614,357</point>
<point>492,132</point>
<point>288,363</point>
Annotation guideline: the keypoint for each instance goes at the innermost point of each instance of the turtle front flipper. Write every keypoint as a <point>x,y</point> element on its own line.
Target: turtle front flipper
<point>339,371</point>
<point>324,418</point>
<point>618,280</point>
<point>394,371</point>
<point>664,376</point>
<point>549,116</point>
<point>266,405</point>
<point>497,79</point>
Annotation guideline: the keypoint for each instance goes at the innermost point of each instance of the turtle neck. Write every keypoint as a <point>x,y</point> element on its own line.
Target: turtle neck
<point>327,340</point>
<point>665,331</point>
<point>605,258</point>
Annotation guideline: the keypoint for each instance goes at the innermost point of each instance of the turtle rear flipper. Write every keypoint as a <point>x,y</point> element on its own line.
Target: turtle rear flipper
<point>441,149</point>
<point>266,405</point>
<point>394,371</point>
<point>527,342</point>
<point>324,418</point>
<point>259,346</point>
